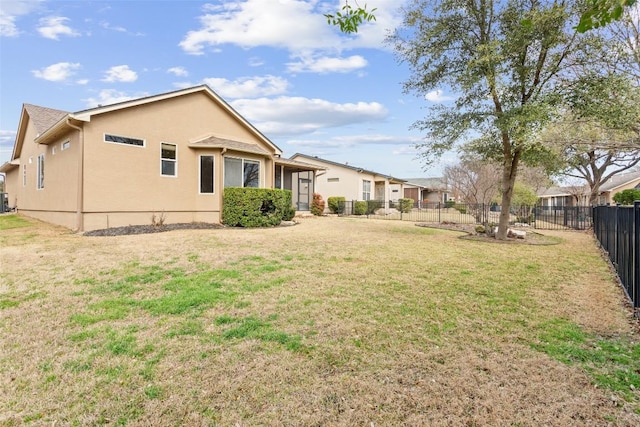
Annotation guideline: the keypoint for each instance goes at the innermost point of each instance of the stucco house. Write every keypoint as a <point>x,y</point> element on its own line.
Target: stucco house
<point>351,182</point>
<point>427,190</point>
<point>170,154</point>
<point>556,196</point>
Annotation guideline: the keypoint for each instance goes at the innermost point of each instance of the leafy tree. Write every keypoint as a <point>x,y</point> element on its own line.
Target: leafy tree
<point>597,134</point>
<point>502,58</point>
<point>627,197</point>
<point>350,18</point>
<point>602,12</point>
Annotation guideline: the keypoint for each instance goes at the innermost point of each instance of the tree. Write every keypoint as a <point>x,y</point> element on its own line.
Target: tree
<point>502,58</point>
<point>597,134</point>
<point>601,13</point>
<point>476,181</point>
<point>627,197</point>
<point>350,18</point>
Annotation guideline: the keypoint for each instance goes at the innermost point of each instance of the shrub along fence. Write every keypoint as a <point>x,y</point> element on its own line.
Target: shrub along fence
<point>539,217</point>
<point>617,228</point>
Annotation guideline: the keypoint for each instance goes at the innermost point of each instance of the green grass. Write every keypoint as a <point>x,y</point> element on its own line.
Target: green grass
<point>356,322</point>
<point>612,363</point>
<point>13,221</point>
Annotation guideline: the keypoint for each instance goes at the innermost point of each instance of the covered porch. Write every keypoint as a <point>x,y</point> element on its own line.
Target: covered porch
<point>299,178</point>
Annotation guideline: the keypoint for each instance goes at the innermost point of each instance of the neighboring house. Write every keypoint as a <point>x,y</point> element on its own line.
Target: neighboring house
<point>170,154</point>
<point>579,195</point>
<point>426,190</point>
<point>618,183</point>
<point>352,183</point>
<point>560,197</point>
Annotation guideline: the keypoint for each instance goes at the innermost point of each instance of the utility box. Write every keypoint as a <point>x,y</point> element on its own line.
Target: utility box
<point>4,202</point>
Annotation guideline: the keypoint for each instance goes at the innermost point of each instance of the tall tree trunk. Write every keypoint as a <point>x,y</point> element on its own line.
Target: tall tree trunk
<point>509,173</point>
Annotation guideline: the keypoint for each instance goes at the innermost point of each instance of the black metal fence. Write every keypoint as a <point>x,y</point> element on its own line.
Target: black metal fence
<point>539,217</point>
<point>617,228</point>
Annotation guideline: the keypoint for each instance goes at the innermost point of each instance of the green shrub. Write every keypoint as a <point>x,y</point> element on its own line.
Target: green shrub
<point>627,197</point>
<point>449,203</point>
<point>336,204</point>
<point>461,208</point>
<point>288,213</point>
<point>360,208</point>
<point>317,204</point>
<point>405,205</point>
<point>255,207</point>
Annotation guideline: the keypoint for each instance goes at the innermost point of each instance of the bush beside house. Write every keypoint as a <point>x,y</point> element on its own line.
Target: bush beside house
<point>317,204</point>
<point>256,207</point>
<point>336,204</point>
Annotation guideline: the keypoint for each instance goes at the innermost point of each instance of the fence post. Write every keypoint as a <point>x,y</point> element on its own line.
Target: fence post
<point>636,257</point>
<point>439,212</point>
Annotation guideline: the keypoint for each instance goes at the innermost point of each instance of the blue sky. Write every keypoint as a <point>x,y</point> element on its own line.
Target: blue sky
<point>305,85</point>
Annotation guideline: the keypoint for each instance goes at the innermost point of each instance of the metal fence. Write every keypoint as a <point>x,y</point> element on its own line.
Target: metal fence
<point>539,217</point>
<point>617,228</point>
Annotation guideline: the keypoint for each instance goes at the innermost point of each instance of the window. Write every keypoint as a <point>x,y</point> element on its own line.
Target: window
<point>333,179</point>
<point>168,159</point>
<point>53,150</point>
<point>278,177</point>
<point>241,172</point>
<point>366,190</point>
<point>40,172</point>
<point>206,175</point>
<point>24,175</point>
<point>123,140</point>
<point>65,145</point>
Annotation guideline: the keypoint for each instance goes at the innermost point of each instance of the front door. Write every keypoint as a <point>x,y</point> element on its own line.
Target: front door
<point>304,190</point>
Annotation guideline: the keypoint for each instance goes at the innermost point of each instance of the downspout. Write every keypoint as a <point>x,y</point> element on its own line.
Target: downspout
<point>80,195</point>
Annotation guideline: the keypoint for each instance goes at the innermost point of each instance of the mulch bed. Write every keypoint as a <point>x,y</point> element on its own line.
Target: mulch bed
<point>146,229</point>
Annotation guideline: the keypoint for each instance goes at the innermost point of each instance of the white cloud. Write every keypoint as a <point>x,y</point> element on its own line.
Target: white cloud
<point>120,73</point>
<point>10,11</point>
<point>327,64</point>
<point>297,115</point>
<point>7,138</point>
<point>119,29</point>
<point>178,71</point>
<point>248,87</point>
<point>82,81</point>
<point>358,140</point>
<point>438,96</point>
<point>53,26</point>
<point>111,96</point>
<point>295,25</point>
<point>59,72</point>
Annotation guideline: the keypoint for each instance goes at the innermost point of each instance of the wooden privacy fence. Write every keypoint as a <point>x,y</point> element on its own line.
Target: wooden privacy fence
<point>617,229</point>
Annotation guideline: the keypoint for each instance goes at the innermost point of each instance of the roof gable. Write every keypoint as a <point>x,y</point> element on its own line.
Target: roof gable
<point>354,168</point>
<point>42,118</point>
<point>619,180</point>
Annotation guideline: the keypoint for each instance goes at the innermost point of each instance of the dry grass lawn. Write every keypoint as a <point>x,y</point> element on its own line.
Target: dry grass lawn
<point>332,322</point>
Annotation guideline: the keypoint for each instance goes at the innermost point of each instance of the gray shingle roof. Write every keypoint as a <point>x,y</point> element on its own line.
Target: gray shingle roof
<point>215,142</point>
<point>43,118</point>
<point>432,183</point>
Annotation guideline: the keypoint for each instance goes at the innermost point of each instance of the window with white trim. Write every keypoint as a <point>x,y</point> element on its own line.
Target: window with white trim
<point>65,145</point>
<point>53,150</point>
<point>241,172</point>
<point>168,159</point>
<point>40,180</point>
<point>333,179</point>
<point>366,189</point>
<point>123,140</point>
<point>206,175</point>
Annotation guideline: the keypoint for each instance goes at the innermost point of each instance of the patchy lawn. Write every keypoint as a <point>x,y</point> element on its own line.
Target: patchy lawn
<point>334,321</point>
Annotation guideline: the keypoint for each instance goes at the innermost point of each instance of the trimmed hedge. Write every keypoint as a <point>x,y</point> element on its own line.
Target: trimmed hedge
<point>256,207</point>
<point>336,204</point>
<point>360,208</point>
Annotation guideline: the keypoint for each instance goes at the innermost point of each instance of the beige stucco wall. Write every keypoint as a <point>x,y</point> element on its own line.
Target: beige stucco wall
<point>122,184</point>
<point>349,182</point>
<point>56,202</point>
